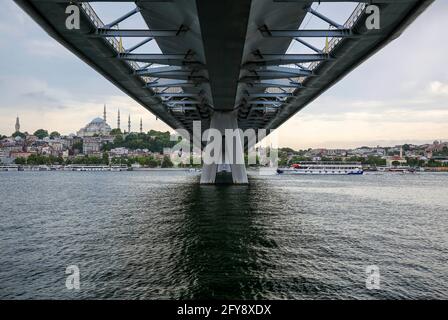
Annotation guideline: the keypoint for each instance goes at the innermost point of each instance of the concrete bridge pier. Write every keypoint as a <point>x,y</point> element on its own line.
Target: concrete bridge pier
<point>225,171</point>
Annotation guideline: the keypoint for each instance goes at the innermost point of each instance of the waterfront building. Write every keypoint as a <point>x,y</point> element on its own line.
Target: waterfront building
<point>336,153</point>
<point>12,148</point>
<point>4,157</point>
<point>46,150</point>
<point>436,146</point>
<point>65,154</point>
<point>30,139</point>
<point>139,152</point>
<point>56,147</point>
<point>119,152</point>
<point>399,159</point>
<point>91,145</point>
<point>20,154</point>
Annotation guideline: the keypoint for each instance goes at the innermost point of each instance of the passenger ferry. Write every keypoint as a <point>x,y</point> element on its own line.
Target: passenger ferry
<point>9,168</point>
<point>322,168</point>
<point>75,167</point>
<point>397,169</point>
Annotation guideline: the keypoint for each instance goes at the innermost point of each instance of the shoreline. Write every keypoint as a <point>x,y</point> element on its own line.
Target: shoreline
<point>92,168</point>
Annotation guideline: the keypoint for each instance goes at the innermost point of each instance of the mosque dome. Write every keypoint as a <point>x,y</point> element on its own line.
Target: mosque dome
<point>97,126</point>
<point>97,121</point>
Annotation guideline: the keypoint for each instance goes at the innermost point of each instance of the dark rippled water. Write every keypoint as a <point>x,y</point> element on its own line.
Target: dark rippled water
<point>148,235</point>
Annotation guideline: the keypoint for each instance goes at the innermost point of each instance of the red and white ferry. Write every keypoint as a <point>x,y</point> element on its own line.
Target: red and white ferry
<point>322,169</point>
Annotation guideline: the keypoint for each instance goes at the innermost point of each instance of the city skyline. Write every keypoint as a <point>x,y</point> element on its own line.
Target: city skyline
<point>140,129</point>
<point>18,126</point>
<point>365,108</point>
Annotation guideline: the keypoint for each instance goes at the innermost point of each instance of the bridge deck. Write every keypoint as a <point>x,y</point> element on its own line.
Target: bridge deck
<point>224,55</point>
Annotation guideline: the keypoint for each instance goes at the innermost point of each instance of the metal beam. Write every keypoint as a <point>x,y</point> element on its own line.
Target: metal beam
<point>138,45</point>
<point>177,94</point>
<point>78,1</point>
<point>363,1</point>
<point>174,83</point>
<point>270,95</point>
<point>279,59</point>
<point>181,108</point>
<point>324,18</point>
<point>183,102</point>
<point>266,109</point>
<point>274,84</point>
<point>265,102</point>
<point>157,70</point>
<point>134,33</point>
<point>283,70</point>
<point>176,76</point>
<point>122,18</point>
<point>339,33</point>
<point>306,44</point>
<point>166,59</point>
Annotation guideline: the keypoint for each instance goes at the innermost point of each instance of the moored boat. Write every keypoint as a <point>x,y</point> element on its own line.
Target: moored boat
<point>322,169</point>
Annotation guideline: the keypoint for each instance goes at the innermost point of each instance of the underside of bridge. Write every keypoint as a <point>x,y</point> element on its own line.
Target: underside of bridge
<point>226,56</point>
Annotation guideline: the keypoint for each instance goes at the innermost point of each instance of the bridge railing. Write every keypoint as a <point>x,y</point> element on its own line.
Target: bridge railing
<point>348,25</point>
<point>360,8</point>
<point>90,12</point>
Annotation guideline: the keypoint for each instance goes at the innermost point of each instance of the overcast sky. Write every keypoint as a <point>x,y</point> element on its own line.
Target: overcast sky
<point>399,95</point>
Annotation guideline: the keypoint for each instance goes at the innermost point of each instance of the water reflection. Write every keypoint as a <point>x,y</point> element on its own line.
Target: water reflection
<point>220,244</point>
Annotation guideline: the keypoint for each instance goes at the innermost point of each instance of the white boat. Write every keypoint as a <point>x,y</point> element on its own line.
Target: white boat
<point>9,168</point>
<point>322,169</point>
<point>397,169</point>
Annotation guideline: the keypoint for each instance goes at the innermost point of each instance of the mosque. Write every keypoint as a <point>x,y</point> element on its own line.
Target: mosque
<point>99,126</point>
<point>96,127</point>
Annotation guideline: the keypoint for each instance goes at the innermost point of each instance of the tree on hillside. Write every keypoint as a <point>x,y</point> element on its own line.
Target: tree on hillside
<point>115,132</point>
<point>41,133</point>
<point>78,146</point>
<point>20,160</point>
<point>18,134</point>
<point>118,140</point>
<point>154,141</point>
<point>288,150</point>
<point>442,153</point>
<point>54,135</point>
<point>105,158</point>
<point>166,162</point>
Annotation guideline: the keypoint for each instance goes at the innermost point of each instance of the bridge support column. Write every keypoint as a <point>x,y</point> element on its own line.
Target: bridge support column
<point>224,172</point>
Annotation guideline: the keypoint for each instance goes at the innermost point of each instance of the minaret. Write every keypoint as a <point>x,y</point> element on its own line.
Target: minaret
<point>129,124</point>
<point>141,125</point>
<point>118,119</point>
<point>104,114</point>
<point>17,124</point>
